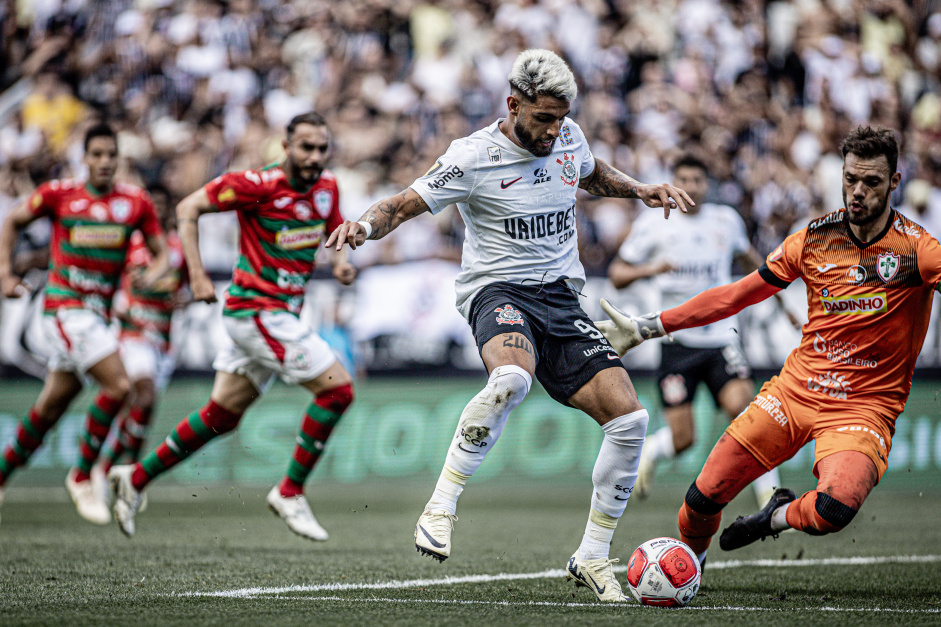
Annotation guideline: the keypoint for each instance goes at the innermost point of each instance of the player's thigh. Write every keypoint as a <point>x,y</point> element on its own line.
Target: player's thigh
<point>334,376</point>
<point>506,322</point>
<point>111,377</point>
<point>728,469</point>
<point>79,339</point>
<point>735,396</point>
<point>847,476</point>
<point>853,428</point>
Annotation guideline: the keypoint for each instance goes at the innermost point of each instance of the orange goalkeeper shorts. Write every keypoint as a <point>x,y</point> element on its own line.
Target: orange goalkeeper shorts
<point>783,418</point>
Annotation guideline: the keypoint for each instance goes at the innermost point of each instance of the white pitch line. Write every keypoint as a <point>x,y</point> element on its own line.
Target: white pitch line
<point>634,604</point>
<point>553,574</point>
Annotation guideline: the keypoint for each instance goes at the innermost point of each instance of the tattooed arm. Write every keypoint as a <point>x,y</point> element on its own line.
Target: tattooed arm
<point>607,181</point>
<point>382,217</point>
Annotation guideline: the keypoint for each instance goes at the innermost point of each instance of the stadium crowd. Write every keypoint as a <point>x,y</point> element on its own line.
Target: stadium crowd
<point>762,92</point>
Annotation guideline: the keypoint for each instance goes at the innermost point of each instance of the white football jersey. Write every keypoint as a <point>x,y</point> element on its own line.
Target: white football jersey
<point>518,209</point>
<point>700,247</point>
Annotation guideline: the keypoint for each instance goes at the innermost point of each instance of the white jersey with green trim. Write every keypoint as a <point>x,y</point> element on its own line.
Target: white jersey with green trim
<point>700,246</point>
<point>518,209</point>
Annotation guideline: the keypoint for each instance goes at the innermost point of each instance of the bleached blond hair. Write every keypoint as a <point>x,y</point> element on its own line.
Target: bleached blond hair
<point>537,71</point>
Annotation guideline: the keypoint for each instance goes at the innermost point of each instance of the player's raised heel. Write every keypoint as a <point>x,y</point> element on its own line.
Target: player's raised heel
<point>89,504</point>
<point>757,526</point>
<point>126,500</point>
<point>433,533</point>
<point>596,575</point>
<point>295,511</point>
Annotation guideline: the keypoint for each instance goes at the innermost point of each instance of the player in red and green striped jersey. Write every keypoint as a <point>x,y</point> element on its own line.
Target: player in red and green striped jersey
<point>285,212</point>
<point>92,223</point>
<point>146,316</point>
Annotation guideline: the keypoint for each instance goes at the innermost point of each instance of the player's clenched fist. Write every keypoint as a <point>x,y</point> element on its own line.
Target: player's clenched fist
<point>203,289</point>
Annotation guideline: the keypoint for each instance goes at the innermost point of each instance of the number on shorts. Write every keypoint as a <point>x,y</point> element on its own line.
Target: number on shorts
<point>588,330</point>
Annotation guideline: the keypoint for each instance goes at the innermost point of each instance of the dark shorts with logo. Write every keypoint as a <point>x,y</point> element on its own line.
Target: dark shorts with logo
<point>570,350</point>
<point>683,368</point>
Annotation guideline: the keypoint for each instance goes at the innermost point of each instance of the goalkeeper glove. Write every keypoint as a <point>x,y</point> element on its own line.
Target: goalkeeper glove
<point>624,331</point>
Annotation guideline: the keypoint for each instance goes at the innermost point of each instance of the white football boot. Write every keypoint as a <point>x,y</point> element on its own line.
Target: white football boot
<point>87,501</point>
<point>295,511</point>
<point>433,533</point>
<point>126,501</point>
<point>596,575</point>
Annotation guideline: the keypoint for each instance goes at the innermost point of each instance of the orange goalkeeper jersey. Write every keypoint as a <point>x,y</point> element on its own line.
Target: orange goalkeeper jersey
<point>868,307</point>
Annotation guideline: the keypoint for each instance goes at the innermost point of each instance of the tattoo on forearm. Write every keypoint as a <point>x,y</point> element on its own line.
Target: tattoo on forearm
<point>515,340</point>
<point>607,181</point>
<point>387,214</point>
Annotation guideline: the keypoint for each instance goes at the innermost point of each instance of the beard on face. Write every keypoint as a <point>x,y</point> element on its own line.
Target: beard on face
<point>529,142</point>
<point>866,218</point>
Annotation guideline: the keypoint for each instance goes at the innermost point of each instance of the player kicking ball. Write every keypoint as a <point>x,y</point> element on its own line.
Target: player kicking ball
<point>515,183</point>
<point>870,274</point>
<point>284,211</point>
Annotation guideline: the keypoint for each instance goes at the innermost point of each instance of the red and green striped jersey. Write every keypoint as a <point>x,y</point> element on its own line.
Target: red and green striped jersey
<point>147,314</point>
<point>90,237</point>
<point>281,231</point>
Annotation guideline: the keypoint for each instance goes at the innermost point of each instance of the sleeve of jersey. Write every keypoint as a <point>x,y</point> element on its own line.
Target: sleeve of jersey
<point>783,265</point>
<point>149,224</point>
<point>225,191</point>
<point>42,201</point>
<point>586,158</point>
<point>929,261</point>
<point>451,179</point>
<point>718,303</point>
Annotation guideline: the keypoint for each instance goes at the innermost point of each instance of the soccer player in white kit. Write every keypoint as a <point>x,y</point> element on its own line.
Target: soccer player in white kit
<point>514,183</point>
<point>693,255</point>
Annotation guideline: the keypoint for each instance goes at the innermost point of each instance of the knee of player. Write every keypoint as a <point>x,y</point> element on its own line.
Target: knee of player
<point>509,386</point>
<point>682,441</point>
<point>337,399</point>
<point>701,503</point>
<point>119,388</point>
<point>832,515</point>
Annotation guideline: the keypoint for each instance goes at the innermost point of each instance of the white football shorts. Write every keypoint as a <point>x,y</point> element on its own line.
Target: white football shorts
<point>144,360</point>
<point>273,343</point>
<point>79,338</point>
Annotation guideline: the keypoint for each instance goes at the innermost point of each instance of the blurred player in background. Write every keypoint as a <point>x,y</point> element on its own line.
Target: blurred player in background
<point>284,212</point>
<point>515,183</point>
<point>145,316</point>
<point>870,275</point>
<point>92,225</point>
<point>694,254</point>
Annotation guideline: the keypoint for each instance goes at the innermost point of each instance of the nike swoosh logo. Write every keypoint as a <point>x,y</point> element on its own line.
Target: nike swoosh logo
<point>573,569</point>
<point>466,451</point>
<point>618,498</point>
<point>504,184</point>
<point>434,542</point>
<point>825,267</point>
<point>612,357</point>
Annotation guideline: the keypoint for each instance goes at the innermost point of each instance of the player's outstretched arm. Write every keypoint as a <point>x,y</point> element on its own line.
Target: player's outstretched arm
<point>610,182</point>
<point>160,265</point>
<point>187,215</point>
<point>625,332</point>
<point>379,220</point>
<point>12,286</point>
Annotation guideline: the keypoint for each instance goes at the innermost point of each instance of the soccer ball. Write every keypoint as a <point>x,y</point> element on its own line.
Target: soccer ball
<point>663,572</point>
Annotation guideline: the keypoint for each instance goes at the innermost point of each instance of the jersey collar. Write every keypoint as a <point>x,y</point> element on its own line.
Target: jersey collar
<point>94,191</point>
<point>864,245</point>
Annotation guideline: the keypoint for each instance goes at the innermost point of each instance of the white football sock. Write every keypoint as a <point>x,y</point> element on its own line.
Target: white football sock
<point>481,423</point>
<point>779,518</point>
<point>613,479</point>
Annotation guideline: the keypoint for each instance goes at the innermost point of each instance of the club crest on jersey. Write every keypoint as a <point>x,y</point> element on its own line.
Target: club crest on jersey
<point>495,155</point>
<point>565,136</point>
<point>226,195</point>
<point>120,209</point>
<point>508,315</point>
<point>303,210</point>
<point>323,200</point>
<point>569,171</point>
<point>888,265</point>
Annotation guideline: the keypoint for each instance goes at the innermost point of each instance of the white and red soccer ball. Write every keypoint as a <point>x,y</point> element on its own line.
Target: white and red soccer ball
<point>664,572</point>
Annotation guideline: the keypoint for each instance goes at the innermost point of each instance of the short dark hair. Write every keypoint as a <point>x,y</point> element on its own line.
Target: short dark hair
<point>869,142</point>
<point>689,161</point>
<point>311,117</point>
<point>99,130</point>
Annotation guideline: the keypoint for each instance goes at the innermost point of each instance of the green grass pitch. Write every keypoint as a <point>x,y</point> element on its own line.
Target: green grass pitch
<point>214,555</point>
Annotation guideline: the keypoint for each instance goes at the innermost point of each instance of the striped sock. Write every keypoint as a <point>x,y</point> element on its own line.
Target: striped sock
<point>29,435</point>
<point>128,437</point>
<point>100,416</point>
<point>187,437</point>
<point>321,417</point>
